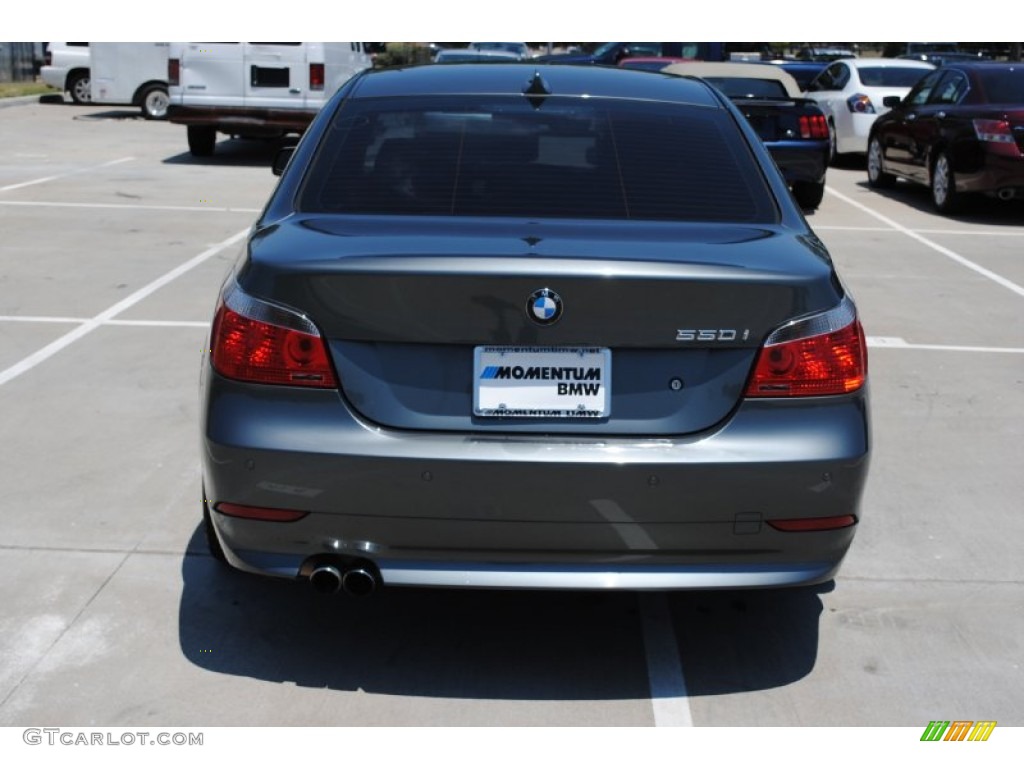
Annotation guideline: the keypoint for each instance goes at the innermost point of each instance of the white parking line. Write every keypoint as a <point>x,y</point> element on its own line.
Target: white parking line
<point>37,319</point>
<point>966,232</point>
<point>90,325</point>
<point>664,668</point>
<point>81,320</point>
<point>130,207</point>
<point>9,187</point>
<point>161,323</point>
<point>837,228</point>
<point>934,246</point>
<point>895,342</point>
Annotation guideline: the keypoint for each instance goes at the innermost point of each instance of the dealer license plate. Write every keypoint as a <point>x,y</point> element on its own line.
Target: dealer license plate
<point>542,382</point>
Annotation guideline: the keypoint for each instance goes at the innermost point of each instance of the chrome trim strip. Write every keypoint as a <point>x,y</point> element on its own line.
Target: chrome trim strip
<point>817,324</point>
<point>237,300</point>
<point>657,579</point>
<point>477,575</point>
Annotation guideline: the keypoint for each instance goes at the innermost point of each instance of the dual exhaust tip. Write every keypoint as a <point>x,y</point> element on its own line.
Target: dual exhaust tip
<point>357,580</point>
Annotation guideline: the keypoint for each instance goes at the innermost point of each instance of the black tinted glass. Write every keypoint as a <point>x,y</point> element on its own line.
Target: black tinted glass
<point>890,77</point>
<point>749,87</point>
<point>555,157</point>
<point>919,93</point>
<point>1005,86</point>
<point>949,90</point>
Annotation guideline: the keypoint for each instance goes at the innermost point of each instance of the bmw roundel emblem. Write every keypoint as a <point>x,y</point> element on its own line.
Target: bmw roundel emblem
<point>544,306</point>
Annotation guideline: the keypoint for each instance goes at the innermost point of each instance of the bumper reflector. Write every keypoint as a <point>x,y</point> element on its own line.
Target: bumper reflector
<point>813,523</point>
<point>259,513</point>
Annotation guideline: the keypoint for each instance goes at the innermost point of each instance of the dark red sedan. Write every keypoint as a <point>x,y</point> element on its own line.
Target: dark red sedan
<point>960,130</point>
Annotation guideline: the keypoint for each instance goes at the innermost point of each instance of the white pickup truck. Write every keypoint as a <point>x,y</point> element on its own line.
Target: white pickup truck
<point>254,89</point>
<point>66,68</point>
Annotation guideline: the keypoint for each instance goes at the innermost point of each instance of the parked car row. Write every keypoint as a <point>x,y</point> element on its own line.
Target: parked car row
<point>250,89</point>
<point>959,131</point>
<point>956,129</point>
<point>851,93</point>
<point>254,90</point>
<point>132,74</point>
<point>611,54</point>
<point>938,58</point>
<point>793,128</point>
<point>484,52</point>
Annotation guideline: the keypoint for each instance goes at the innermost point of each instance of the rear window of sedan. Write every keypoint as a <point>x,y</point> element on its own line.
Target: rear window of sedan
<point>1003,86</point>
<point>549,157</point>
<point>749,87</point>
<point>891,77</point>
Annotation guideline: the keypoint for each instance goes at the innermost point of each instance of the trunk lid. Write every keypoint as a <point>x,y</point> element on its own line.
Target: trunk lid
<point>682,309</point>
<point>776,120</point>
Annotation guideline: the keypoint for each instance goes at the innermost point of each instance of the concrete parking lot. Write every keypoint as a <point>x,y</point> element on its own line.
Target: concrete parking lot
<point>114,244</point>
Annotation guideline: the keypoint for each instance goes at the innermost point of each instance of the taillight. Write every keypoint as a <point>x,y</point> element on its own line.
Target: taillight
<point>813,127</point>
<point>860,103</point>
<point>823,354</point>
<point>173,71</point>
<point>997,131</point>
<point>316,77</point>
<point>254,340</point>
<point>993,130</point>
<point>998,136</point>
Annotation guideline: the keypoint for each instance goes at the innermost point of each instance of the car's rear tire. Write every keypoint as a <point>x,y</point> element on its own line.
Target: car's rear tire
<point>154,103</point>
<point>943,186</point>
<point>80,88</point>
<point>212,542</point>
<point>201,140</point>
<point>808,194</point>
<point>877,178</point>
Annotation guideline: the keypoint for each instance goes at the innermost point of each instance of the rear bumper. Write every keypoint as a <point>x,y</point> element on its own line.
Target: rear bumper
<point>55,77</point>
<point>852,131</point>
<point>619,577</point>
<point>487,575</point>
<point>996,172</point>
<point>242,119</point>
<point>534,511</point>
<point>801,160</point>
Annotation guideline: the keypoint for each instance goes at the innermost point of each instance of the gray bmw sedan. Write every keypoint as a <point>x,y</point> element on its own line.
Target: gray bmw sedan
<point>533,326</point>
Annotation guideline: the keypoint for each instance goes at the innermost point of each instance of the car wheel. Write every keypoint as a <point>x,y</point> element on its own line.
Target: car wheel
<point>212,542</point>
<point>877,178</point>
<point>79,87</point>
<point>154,103</point>
<point>201,140</point>
<point>833,155</point>
<point>809,193</point>
<point>944,194</point>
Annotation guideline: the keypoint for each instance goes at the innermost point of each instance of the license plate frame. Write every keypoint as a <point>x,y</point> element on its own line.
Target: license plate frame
<point>542,382</point>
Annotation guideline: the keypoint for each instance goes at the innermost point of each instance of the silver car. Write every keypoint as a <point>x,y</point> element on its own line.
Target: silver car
<point>533,327</point>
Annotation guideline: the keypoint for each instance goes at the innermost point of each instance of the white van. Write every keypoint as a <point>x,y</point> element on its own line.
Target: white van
<point>254,89</point>
<point>131,73</point>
